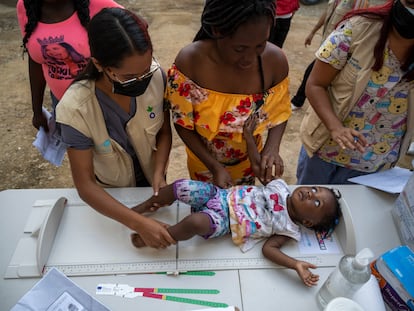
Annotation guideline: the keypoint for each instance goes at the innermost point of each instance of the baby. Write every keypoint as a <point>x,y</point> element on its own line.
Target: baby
<point>250,214</point>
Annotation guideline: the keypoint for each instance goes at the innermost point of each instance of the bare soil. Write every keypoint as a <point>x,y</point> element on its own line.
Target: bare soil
<point>173,24</point>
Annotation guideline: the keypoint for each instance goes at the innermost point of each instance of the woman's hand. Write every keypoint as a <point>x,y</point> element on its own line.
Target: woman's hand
<point>271,167</point>
<point>40,120</point>
<point>154,233</point>
<point>349,138</point>
<point>308,278</point>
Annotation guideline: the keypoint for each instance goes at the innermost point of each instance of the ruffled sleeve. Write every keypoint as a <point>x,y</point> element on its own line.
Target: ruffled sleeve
<point>214,114</point>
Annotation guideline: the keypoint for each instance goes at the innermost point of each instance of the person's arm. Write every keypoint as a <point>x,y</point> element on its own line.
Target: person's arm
<point>318,25</point>
<point>37,87</point>
<point>192,140</point>
<point>164,141</point>
<point>271,250</point>
<point>317,85</point>
<point>152,232</point>
<point>271,164</point>
<point>254,155</point>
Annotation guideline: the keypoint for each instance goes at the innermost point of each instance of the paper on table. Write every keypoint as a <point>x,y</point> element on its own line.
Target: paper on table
<point>392,180</point>
<point>56,292</point>
<point>312,243</point>
<point>49,144</point>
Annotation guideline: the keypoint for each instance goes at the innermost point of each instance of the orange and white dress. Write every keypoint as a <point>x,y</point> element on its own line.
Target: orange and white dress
<point>219,118</point>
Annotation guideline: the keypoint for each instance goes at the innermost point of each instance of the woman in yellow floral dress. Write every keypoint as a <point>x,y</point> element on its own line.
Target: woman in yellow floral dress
<point>226,74</point>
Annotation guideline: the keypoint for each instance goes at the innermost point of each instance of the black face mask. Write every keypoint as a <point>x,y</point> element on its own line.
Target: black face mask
<point>403,20</point>
<point>132,89</point>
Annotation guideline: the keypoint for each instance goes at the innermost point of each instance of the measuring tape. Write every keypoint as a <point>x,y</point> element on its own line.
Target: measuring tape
<point>112,268</point>
<point>237,263</point>
<point>180,265</point>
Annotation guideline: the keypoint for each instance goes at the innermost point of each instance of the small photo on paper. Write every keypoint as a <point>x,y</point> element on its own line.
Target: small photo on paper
<point>66,302</point>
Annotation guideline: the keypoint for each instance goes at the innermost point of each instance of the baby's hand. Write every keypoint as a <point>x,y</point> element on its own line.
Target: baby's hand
<point>250,125</point>
<point>308,278</point>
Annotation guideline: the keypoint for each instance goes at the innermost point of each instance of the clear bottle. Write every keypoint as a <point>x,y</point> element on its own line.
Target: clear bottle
<point>349,276</point>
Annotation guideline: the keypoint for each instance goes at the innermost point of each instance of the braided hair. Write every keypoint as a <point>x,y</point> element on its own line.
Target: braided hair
<point>328,224</point>
<point>225,16</point>
<point>34,11</point>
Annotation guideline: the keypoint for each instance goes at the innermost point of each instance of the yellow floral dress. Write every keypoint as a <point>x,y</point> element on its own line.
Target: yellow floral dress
<point>219,118</point>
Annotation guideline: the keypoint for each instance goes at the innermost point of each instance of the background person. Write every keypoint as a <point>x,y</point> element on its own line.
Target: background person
<point>114,120</point>
<point>227,73</point>
<point>285,9</point>
<point>361,118</point>
<point>44,26</point>
<point>334,13</point>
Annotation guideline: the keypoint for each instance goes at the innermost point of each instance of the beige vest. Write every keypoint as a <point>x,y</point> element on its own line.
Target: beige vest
<point>336,11</point>
<point>348,87</point>
<point>113,166</point>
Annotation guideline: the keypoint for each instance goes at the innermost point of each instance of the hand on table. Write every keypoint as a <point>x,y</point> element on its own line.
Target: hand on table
<point>308,278</point>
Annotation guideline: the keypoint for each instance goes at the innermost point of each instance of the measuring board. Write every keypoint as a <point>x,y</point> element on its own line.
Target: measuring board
<point>87,243</point>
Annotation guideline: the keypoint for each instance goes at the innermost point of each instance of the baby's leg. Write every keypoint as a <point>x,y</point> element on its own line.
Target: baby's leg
<point>165,197</point>
<point>194,224</point>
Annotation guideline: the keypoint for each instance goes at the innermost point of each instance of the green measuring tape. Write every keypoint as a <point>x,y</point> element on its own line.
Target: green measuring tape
<point>197,302</point>
<point>186,291</point>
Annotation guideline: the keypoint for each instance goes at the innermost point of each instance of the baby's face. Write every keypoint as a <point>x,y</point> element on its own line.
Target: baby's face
<point>311,203</point>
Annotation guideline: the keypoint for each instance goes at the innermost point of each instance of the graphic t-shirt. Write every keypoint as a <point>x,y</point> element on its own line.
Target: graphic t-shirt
<point>62,48</point>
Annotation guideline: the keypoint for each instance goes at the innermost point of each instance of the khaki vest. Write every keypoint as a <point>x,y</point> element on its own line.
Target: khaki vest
<point>336,11</point>
<point>113,166</point>
<point>348,87</point>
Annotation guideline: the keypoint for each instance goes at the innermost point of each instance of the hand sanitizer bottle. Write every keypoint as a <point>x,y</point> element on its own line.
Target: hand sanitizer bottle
<point>349,276</point>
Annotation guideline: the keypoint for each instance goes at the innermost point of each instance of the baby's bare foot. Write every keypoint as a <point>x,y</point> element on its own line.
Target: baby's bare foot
<point>137,241</point>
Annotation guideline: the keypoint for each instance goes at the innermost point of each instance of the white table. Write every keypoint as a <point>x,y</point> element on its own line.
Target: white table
<point>256,289</point>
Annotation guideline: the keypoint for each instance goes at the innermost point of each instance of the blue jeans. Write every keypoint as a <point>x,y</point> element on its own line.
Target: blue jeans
<point>315,171</point>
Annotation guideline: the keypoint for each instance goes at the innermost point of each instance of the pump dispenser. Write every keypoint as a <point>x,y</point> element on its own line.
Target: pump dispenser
<point>349,276</point>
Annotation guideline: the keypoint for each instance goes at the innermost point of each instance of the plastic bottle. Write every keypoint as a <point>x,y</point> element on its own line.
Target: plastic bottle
<point>349,276</point>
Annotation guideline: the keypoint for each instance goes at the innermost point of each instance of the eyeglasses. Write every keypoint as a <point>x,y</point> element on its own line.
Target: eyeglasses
<point>155,65</point>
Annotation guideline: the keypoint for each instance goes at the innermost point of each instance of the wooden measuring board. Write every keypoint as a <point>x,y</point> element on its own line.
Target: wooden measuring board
<point>87,243</point>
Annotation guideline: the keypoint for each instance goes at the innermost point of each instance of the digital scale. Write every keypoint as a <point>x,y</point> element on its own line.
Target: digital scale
<point>74,238</point>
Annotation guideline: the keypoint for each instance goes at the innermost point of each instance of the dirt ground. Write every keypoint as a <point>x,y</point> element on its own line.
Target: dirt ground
<point>173,24</point>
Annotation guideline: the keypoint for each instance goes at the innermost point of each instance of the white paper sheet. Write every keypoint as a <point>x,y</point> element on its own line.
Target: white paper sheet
<point>312,243</point>
<point>392,180</point>
<point>56,292</point>
<point>49,145</point>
